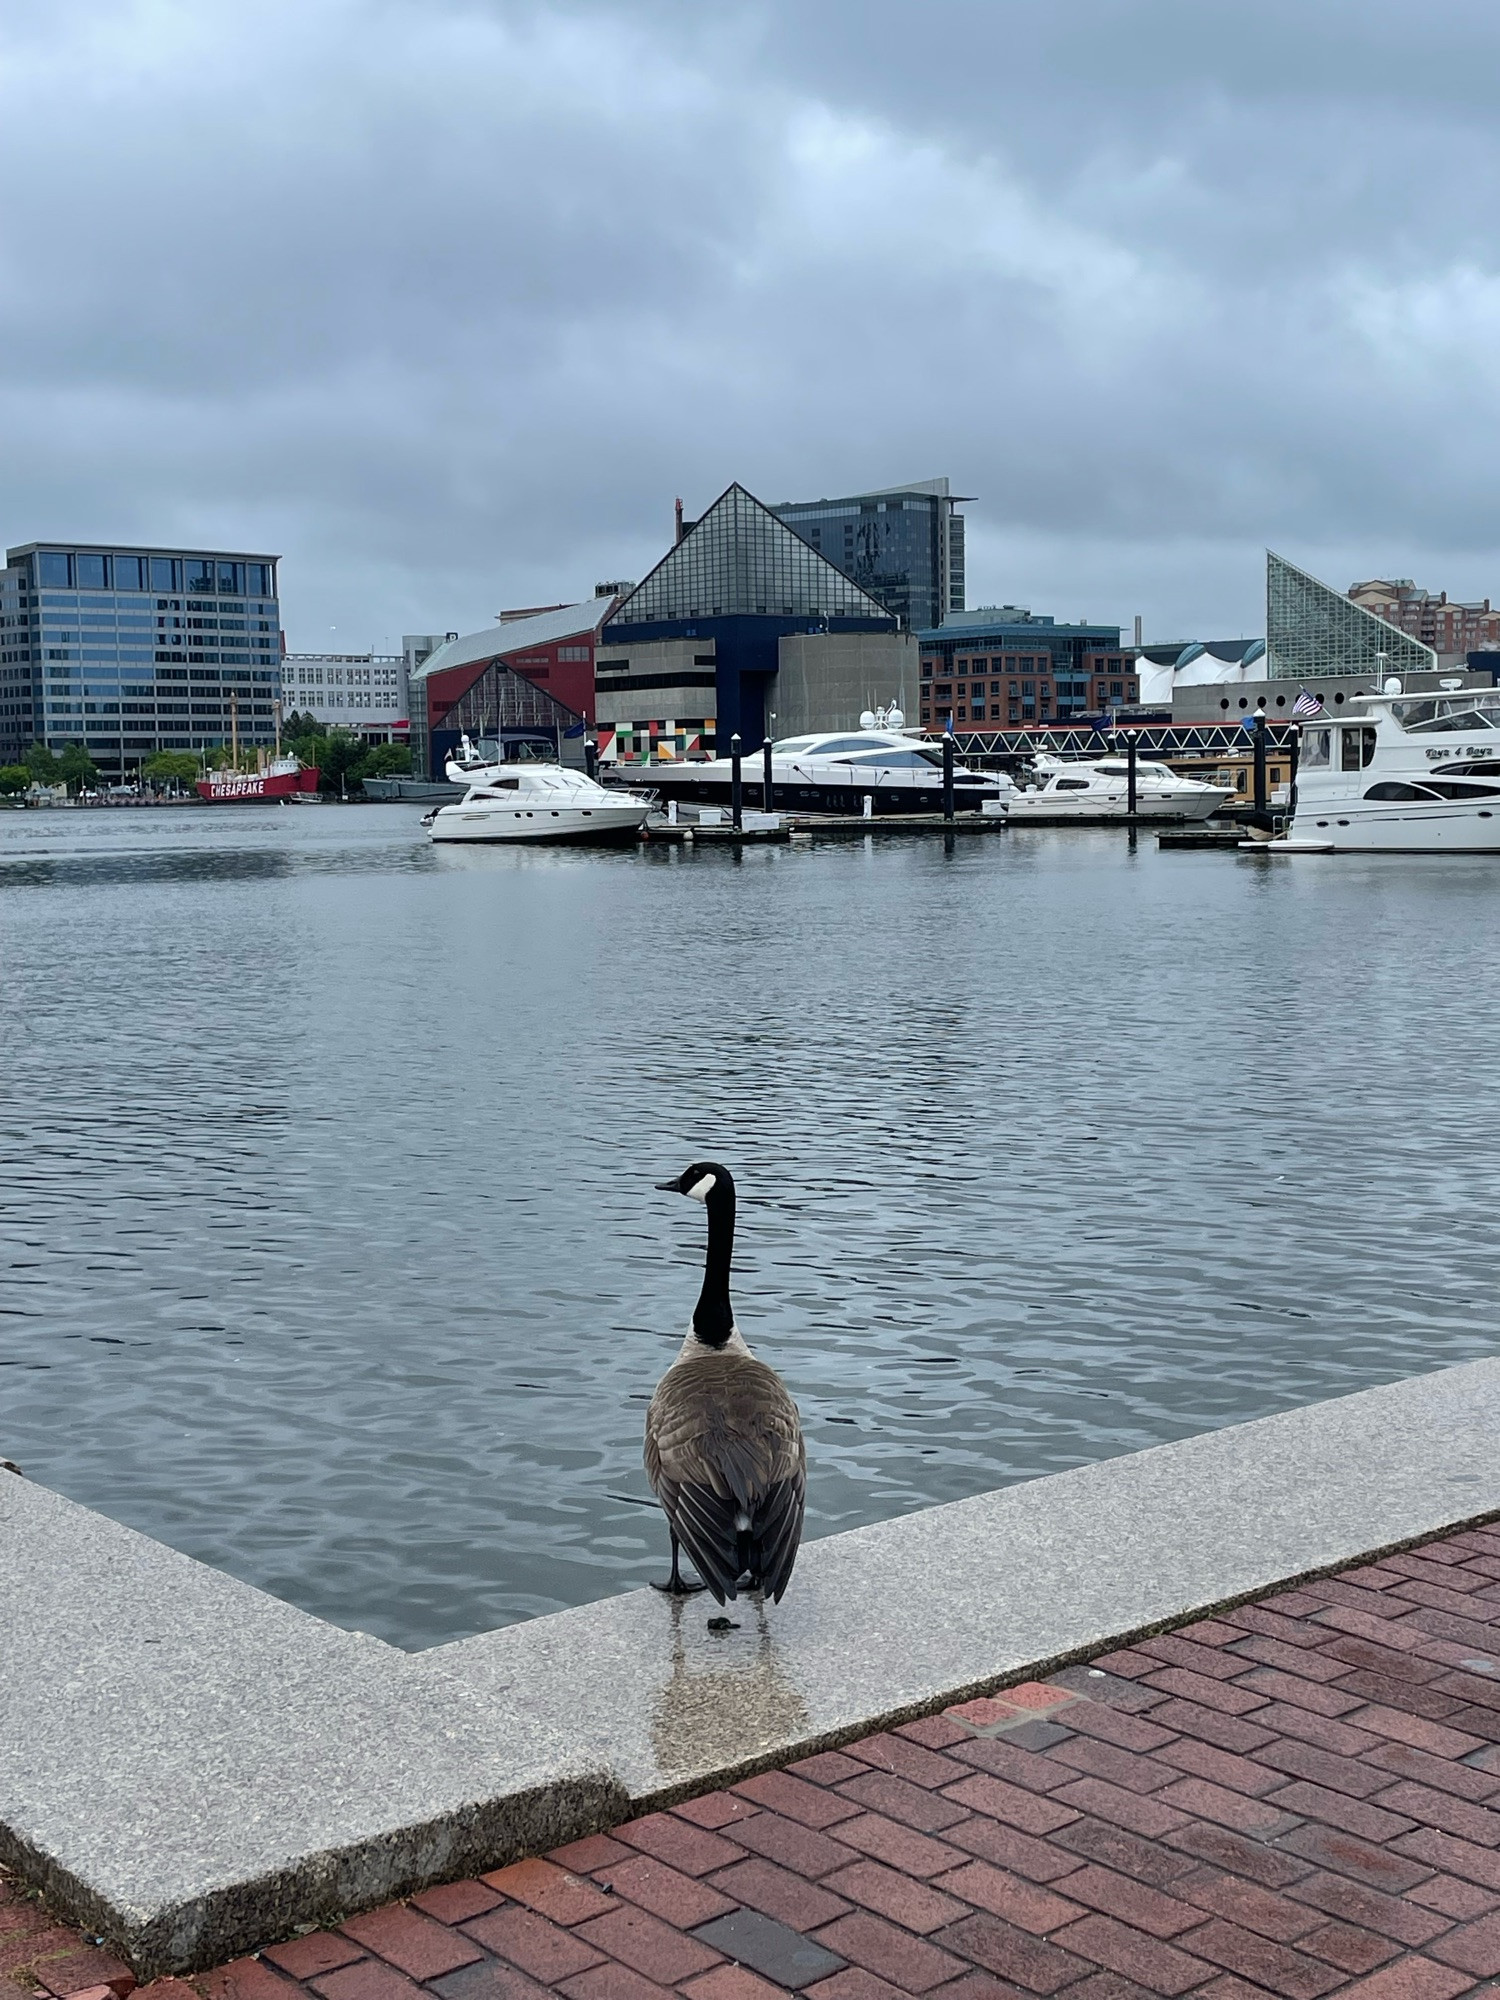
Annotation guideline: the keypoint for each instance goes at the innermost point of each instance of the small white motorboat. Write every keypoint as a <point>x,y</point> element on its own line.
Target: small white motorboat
<point>1099,789</point>
<point>533,802</point>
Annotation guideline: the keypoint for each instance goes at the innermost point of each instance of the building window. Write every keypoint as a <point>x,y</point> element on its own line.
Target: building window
<point>943,692</point>
<point>994,687</point>
<point>52,569</point>
<point>978,711</point>
<point>963,715</point>
<point>1116,688</point>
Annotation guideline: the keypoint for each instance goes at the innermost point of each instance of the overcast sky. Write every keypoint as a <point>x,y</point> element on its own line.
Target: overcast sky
<point>444,303</point>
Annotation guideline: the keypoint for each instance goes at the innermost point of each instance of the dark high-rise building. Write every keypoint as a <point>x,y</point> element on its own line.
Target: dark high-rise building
<point>127,651</point>
<point>904,545</point>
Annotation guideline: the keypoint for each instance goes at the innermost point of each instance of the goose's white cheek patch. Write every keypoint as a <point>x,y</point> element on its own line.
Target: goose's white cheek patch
<point>699,1189</point>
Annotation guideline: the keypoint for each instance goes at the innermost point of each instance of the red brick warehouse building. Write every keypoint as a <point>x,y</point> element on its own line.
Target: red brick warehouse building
<point>1001,667</point>
<point>529,679</point>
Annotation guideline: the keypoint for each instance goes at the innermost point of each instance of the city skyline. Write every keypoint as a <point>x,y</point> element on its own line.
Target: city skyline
<point>1152,336</point>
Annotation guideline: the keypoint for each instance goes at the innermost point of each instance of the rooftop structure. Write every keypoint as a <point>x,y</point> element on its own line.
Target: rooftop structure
<point>1314,630</point>
<point>131,650</point>
<point>902,544</point>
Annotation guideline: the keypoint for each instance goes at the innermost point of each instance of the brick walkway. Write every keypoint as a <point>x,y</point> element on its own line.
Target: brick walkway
<point>1299,1798</point>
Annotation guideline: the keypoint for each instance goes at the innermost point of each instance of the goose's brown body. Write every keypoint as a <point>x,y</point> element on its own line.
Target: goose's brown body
<point>725,1457</point>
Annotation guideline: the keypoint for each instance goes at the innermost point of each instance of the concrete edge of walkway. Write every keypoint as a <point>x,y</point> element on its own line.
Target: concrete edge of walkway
<point>192,1769</point>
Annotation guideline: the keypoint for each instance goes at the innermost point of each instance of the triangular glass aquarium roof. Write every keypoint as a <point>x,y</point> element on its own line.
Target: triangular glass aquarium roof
<point>1313,629</point>
<point>740,559</point>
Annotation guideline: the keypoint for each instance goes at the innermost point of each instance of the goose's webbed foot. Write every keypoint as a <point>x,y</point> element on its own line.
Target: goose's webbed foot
<point>674,1585</point>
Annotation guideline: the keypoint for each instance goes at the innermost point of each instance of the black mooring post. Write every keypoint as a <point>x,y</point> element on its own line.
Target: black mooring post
<point>947,775</point>
<point>1130,750</point>
<point>767,792</point>
<point>735,803</point>
<point>1260,768</point>
<point>590,757</point>
<point>1294,758</point>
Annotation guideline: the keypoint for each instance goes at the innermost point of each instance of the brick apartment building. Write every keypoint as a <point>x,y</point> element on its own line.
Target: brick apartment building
<point>1452,629</point>
<point>1003,668</point>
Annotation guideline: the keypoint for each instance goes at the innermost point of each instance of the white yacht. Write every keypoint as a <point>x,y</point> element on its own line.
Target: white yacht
<point>1400,774</point>
<point>833,772</point>
<point>1099,789</point>
<point>532,802</point>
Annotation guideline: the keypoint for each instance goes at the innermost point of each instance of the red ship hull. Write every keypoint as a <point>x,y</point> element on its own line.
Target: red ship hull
<point>231,788</point>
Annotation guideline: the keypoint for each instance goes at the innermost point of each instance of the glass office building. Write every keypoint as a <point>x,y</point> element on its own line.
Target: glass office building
<point>1313,631</point>
<point>126,651</point>
<point>904,545</point>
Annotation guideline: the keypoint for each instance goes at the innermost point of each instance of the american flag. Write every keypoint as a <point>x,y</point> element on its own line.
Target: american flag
<point>1307,704</point>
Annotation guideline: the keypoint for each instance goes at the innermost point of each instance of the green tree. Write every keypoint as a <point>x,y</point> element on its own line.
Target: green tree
<point>339,756</point>
<point>171,767</point>
<point>41,763</point>
<point>77,769</point>
<point>387,760</point>
<point>14,778</point>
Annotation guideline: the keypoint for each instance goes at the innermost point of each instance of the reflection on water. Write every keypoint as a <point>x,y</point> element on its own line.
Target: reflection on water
<point>730,1701</point>
<point>329,1247</point>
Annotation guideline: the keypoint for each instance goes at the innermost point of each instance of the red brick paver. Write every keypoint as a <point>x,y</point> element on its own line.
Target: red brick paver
<point>1295,1800</point>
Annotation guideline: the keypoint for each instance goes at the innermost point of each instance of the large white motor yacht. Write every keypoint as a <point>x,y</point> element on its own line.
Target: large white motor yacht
<point>1099,789</point>
<point>1400,774</point>
<point>532,802</point>
<point>834,771</point>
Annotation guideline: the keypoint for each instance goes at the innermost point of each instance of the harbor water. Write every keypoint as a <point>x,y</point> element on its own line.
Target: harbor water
<point>329,1247</point>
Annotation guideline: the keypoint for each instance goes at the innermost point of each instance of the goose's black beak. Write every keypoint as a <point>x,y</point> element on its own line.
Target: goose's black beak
<point>669,1187</point>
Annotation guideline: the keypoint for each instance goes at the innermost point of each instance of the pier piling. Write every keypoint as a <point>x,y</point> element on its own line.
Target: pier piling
<point>948,775</point>
<point>736,801</point>
<point>1262,797</point>
<point>767,788</point>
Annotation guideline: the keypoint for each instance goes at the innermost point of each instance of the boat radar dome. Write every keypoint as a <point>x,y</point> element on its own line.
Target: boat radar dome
<point>1392,686</point>
<point>867,718</point>
<point>895,719</point>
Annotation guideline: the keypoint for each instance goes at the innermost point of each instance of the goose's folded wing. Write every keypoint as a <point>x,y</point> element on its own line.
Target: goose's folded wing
<point>705,1523</point>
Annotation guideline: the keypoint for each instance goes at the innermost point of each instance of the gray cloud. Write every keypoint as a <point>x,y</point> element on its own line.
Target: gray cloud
<point>446,302</point>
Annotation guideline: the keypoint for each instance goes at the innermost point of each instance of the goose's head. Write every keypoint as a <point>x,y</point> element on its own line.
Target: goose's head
<point>701,1180</point>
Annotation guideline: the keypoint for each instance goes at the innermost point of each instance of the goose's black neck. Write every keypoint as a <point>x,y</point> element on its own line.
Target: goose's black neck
<point>713,1316</point>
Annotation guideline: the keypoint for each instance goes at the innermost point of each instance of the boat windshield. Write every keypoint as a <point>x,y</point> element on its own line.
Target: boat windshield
<point>897,760</point>
<point>1452,715</point>
<point>792,746</point>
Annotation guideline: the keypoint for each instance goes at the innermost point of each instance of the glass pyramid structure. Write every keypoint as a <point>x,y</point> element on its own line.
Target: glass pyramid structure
<point>1312,629</point>
<point>739,559</point>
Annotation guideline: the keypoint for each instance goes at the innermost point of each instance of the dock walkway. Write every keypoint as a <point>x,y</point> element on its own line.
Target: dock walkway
<point>1299,1797</point>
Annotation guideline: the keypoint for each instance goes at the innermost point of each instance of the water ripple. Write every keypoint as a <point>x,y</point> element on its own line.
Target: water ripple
<point>329,1251</point>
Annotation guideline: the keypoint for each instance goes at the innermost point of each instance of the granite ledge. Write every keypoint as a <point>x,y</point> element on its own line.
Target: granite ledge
<point>193,1768</point>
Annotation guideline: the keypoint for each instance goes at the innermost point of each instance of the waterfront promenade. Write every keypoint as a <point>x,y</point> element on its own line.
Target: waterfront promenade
<point>1298,1797</point>
<point>1226,1710</point>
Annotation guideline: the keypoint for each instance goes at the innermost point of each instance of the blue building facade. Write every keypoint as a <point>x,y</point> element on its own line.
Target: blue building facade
<point>130,650</point>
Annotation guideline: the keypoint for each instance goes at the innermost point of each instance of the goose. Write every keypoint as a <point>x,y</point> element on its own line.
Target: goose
<point>724,1449</point>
